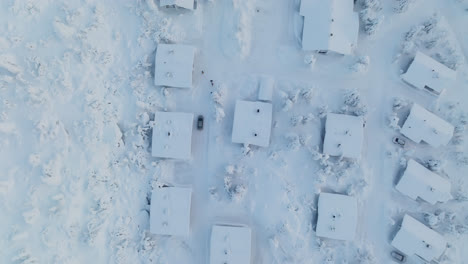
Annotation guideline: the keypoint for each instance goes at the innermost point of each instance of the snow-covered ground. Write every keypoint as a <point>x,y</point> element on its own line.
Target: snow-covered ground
<point>78,100</point>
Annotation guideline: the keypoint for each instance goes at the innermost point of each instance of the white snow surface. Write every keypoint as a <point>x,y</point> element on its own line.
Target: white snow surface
<point>344,135</point>
<point>418,181</point>
<point>427,73</point>
<point>170,211</point>
<point>172,135</point>
<point>230,244</point>
<point>414,238</point>
<point>424,126</point>
<point>78,104</point>
<point>337,216</point>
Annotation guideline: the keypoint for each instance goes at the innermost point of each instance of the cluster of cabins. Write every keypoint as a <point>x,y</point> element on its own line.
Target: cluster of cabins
<point>337,213</point>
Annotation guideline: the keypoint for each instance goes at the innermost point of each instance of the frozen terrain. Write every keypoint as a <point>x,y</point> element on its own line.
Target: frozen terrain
<point>77,108</point>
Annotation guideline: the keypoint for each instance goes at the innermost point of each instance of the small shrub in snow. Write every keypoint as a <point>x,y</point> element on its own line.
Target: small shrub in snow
<point>434,164</point>
<point>246,150</point>
<point>310,60</point>
<point>361,64</point>
<point>435,38</point>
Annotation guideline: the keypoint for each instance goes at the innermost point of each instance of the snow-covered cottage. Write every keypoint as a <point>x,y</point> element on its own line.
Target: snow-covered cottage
<point>174,65</point>
<point>172,135</point>
<point>330,25</point>
<point>344,135</point>
<point>252,123</point>
<point>187,4</point>
<point>170,211</point>
<point>427,73</point>
<point>418,181</point>
<point>422,125</point>
<point>414,238</point>
<point>337,216</point>
<point>230,245</point>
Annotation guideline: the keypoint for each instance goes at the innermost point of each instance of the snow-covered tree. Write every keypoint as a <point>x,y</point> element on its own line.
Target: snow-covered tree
<point>402,6</point>
<point>354,103</point>
<point>219,97</point>
<point>371,16</point>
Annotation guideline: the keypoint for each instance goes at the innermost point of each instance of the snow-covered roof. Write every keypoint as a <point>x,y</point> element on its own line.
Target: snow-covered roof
<point>174,65</point>
<point>418,181</point>
<point>337,216</point>
<point>172,135</point>
<point>188,4</point>
<point>343,135</point>
<point>422,125</point>
<point>427,73</point>
<point>170,211</point>
<point>265,88</point>
<point>414,238</point>
<point>329,25</point>
<point>230,245</point>
<point>252,123</point>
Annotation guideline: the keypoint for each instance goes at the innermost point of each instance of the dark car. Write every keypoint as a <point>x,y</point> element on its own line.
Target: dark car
<point>200,121</point>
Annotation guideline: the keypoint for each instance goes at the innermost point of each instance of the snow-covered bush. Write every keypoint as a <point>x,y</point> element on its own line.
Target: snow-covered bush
<point>289,99</point>
<point>322,111</point>
<point>361,64</point>
<point>234,183</point>
<point>308,94</point>
<point>296,141</point>
<point>302,120</point>
<point>399,103</point>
